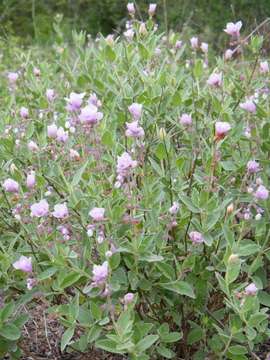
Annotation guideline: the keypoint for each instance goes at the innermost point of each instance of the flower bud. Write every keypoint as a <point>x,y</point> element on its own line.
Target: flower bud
<point>162,133</point>
<point>234,258</point>
<point>230,209</point>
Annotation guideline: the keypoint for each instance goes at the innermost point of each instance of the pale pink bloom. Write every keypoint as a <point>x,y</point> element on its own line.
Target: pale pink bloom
<point>97,214</point>
<point>61,135</point>
<point>251,289</point>
<point>204,47</point>
<point>30,283</point>
<point>196,237</point>
<point>32,146</point>
<point>194,42</point>
<point>157,51</point>
<point>134,130</point>
<point>128,298</point>
<point>60,211</point>
<point>186,120</point>
<point>233,29</point>
<point>110,39</point>
<point>142,29</point>
<point>100,273</point>
<point>24,112</point>
<point>90,115</point>
<point>221,129</point>
<point>11,186</point>
<point>228,54</point>
<point>264,68</point>
<point>36,71</point>
<point>129,34</point>
<point>74,101</point>
<point>253,167</point>
<point>50,95</point>
<point>93,100</point>
<point>131,8</point>
<point>152,9</point>
<point>125,164</point>
<point>74,154</point>
<point>40,209</point>
<point>52,131</point>
<point>215,79</point>
<point>31,180</point>
<point>261,193</point>
<point>24,264</point>
<point>135,110</point>
<point>178,44</point>
<point>12,77</point>
<point>249,106</point>
<point>174,208</point>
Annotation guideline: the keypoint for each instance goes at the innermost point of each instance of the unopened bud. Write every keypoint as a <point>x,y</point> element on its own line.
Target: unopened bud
<point>230,209</point>
<point>162,133</point>
<point>233,258</point>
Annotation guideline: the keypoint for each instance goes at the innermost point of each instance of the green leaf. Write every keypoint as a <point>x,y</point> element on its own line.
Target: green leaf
<point>172,337</point>
<point>195,335</point>
<point>78,175</point>
<point>7,311</point>
<point>46,274</point>
<point>232,271</point>
<point>10,332</point>
<point>165,352</point>
<point>109,53</point>
<point>108,345</point>
<point>264,298</point>
<point>256,319</point>
<point>237,350</point>
<point>70,279</point>
<point>146,343</point>
<point>144,53</point>
<point>66,338</point>
<point>179,287</point>
<point>198,69</point>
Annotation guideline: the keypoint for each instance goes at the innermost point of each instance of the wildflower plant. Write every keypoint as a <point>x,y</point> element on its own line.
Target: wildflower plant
<point>135,193</point>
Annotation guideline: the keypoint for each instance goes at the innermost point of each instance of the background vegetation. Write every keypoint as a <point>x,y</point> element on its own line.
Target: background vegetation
<point>28,19</point>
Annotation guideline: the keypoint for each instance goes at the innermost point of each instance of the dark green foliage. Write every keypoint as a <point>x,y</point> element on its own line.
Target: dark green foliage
<point>34,18</point>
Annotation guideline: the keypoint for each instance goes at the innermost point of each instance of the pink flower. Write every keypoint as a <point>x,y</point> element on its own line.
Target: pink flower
<point>249,106</point>
<point>97,214</point>
<point>24,264</point>
<point>196,237</point>
<point>264,68</point>
<point>31,180</point>
<point>228,54</point>
<point>131,8</point>
<point>128,298</point>
<point>125,164</point>
<point>40,209</point>
<point>52,131</point>
<point>157,51</point>
<point>134,130</point>
<point>251,289</point>
<point>129,34</point>
<point>194,42</point>
<point>253,167</point>
<point>233,29</point>
<point>50,95</point>
<point>36,71</point>
<point>215,79</point>
<point>100,273</point>
<point>261,193</point>
<point>174,208</point>
<point>221,129</point>
<point>32,146</point>
<point>60,211</point>
<point>24,112</point>
<point>178,44</point>
<point>11,186</point>
<point>186,120</point>
<point>30,283</point>
<point>90,115</point>
<point>61,135</point>
<point>74,101</point>
<point>204,47</point>
<point>93,100</point>
<point>152,9</point>
<point>74,155</point>
<point>12,77</point>
<point>135,110</point>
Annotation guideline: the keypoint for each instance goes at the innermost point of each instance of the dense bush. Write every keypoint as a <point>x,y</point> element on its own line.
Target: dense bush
<point>28,19</point>
<point>140,213</point>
